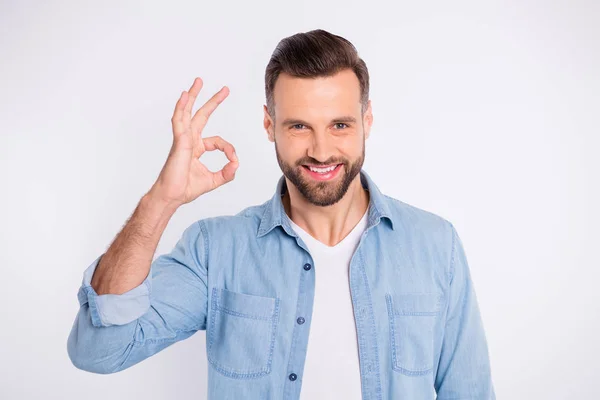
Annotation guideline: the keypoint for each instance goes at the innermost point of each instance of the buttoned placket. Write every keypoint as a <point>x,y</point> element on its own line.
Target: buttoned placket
<point>363,315</point>
<point>364,318</point>
<point>299,344</point>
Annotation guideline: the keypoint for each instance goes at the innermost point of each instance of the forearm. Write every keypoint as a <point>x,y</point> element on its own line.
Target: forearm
<point>127,261</point>
<point>114,332</point>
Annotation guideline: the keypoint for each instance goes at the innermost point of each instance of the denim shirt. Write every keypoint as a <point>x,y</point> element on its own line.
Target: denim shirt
<point>249,281</point>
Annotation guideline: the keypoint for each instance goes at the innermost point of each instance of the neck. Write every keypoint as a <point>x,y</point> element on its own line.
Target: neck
<point>330,224</point>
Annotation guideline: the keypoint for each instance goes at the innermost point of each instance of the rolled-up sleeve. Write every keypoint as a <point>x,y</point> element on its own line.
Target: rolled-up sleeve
<point>112,309</point>
<point>464,370</point>
<point>113,332</point>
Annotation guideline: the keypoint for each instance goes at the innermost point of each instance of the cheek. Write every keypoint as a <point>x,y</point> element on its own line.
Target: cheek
<point>294,144</point>
<point>289,151</point>
<point>352,148</point>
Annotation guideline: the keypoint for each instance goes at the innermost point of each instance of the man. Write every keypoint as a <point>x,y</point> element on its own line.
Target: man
<point>329,290</point>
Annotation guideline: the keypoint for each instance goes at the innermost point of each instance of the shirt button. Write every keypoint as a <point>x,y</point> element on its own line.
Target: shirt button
<point>306,266</point>
<point>300,320</point>
<point>293,377</point>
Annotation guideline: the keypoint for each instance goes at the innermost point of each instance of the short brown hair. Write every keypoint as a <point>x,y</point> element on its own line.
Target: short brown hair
<point>313,54</point>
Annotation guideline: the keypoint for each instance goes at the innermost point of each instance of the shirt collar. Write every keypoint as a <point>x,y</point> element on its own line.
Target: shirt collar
<point>275,215</point>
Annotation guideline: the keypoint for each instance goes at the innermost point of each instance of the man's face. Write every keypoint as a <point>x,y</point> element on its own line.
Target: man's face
<point>319,124</point>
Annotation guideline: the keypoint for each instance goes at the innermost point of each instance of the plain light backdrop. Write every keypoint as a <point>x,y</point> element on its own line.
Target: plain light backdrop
<point>485,113</point>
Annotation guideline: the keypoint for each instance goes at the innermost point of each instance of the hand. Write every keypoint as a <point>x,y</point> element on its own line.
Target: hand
<point>184,178</point>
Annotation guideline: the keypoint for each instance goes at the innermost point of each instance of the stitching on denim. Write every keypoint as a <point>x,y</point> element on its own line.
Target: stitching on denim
<point>205,237</point>
<point>361,342</point>
<point>220,307</point>
<point>274,325</point>
<point>395,364</point>
<point>362,264</point>
<point>416,313</point>
<point>388,301</point>
<point>242,315</point>
<point>212,319</point>
<point>415,372</point>
<point>452,254</point>
<point>215,306</point>
<point>237,375</point>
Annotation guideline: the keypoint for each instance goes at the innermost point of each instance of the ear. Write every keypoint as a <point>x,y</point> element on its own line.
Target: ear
<point>269,125</point>
<point>368,120</point>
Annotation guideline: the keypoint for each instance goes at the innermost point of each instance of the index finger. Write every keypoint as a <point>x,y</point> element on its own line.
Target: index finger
<point>192,94</point>
<point>201,117</point>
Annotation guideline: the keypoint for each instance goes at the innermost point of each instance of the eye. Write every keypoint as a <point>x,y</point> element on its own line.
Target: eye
<point>297,126</point>
<point>337,125</point>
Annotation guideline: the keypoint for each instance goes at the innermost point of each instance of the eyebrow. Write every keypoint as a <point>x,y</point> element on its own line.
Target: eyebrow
<point>294,121</point>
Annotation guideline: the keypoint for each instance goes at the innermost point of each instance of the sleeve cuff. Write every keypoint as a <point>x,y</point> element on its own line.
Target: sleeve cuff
<point>114,309</point>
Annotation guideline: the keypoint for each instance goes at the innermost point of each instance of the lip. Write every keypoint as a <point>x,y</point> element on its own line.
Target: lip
<point>323,177</point>
<point>320,166</point>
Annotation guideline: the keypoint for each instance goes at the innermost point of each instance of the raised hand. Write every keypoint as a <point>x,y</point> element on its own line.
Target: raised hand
<point>184,178</point>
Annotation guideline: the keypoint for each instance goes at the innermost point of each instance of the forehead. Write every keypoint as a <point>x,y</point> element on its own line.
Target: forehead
<point>322,97</point>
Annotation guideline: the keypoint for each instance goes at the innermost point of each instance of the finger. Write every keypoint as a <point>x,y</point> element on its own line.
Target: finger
<point>176,120</point>
<point>201,117</point>
<point>193,93</point>
<point>218,143</point>
<point>227,174</point>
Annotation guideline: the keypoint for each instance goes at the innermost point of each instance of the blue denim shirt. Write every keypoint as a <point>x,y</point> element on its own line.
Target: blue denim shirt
<point>246,279</point>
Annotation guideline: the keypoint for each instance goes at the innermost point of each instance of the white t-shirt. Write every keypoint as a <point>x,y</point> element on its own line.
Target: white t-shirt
<point>332,368</point>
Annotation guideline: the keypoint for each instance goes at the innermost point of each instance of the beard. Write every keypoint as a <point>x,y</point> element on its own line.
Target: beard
<point>322,193</point>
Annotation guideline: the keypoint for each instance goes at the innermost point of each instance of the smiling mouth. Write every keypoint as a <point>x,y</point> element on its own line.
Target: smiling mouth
<point>322,170</point>
<point>323,173</point>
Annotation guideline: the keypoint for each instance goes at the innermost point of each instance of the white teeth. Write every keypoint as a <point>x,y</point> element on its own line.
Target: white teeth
<point>322,170</point>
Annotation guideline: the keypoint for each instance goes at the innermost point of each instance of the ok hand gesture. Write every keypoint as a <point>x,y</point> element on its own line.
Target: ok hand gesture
<point>184,178</point>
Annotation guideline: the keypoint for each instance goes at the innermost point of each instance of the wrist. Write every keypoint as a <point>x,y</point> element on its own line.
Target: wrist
<point>153,199</point>
<point>157,206</point>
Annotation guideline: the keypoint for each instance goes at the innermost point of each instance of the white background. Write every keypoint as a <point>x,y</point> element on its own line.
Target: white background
<point>486,113</point>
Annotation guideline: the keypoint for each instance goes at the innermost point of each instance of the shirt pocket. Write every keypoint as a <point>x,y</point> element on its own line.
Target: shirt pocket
<point>241,335</point>
<point>412,321</point>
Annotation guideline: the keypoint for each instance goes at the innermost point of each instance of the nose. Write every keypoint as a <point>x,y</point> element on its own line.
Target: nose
<point>321,147</point>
